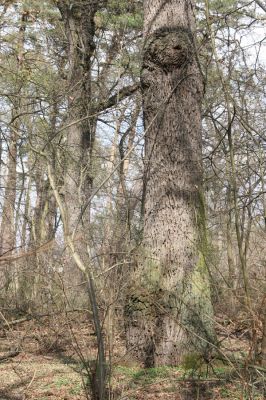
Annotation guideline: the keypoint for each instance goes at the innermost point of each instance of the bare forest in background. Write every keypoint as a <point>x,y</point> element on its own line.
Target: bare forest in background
<point>132,199</point>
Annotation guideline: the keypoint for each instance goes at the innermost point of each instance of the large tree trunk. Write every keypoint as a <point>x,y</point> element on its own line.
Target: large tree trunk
<point>170,312</point>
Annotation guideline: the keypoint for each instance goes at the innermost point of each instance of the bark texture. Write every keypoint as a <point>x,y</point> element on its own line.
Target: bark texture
<point>78,17</point>
<point>169,311</point>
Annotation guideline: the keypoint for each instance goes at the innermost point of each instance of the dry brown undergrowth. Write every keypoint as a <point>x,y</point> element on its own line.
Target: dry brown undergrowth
<point>48,367</point>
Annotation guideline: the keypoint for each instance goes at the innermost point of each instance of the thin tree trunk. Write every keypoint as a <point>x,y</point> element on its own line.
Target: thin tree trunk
<point>8,231</point>
<point>232,281</point>
<point>79,29</point>
<point>7,234</point>
<point>263,318</point>
<point>263,343</point>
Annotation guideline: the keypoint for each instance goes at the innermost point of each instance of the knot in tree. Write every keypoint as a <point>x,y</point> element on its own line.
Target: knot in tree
<point>169,49</point>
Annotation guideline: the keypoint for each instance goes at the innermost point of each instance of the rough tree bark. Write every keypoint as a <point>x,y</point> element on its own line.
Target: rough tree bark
<point>78,17</point>
<point>169,312</point>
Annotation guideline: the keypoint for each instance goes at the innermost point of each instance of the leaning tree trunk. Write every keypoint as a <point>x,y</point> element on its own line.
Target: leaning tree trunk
<point>169,311</point>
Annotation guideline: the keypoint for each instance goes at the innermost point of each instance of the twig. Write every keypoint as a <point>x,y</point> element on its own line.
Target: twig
<point>8,355</point>
<point>261,5</point>
<point>31,380</point>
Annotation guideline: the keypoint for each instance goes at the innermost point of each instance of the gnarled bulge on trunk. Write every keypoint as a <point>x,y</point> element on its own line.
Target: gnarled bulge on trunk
<point>168,49</point>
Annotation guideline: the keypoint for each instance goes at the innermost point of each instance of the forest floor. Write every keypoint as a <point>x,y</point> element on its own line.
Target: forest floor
<point>46,360</point>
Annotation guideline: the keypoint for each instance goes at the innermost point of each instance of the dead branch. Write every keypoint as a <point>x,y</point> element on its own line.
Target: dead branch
<point>8,355</point>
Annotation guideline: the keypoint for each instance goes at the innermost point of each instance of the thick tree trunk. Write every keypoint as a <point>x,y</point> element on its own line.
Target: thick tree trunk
<point>169,312</point>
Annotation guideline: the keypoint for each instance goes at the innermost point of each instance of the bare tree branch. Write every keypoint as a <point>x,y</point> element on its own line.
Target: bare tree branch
<point>261,5</point>
<point>118,96</point>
